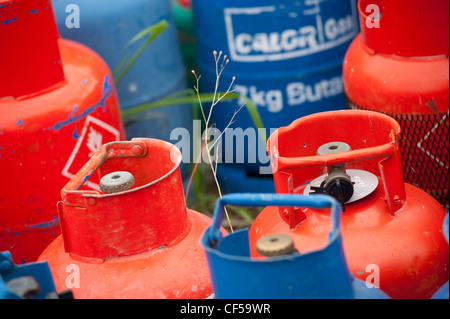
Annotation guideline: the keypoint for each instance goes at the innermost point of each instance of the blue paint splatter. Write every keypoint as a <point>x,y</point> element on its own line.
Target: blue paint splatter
<point>2,5</point>
<point>9,21</point>
<point>34,11</point>
<point>20,123</point>
<point>84,81</point>
<point>75,135</point>
<point>86,178</point>
<point>107,90</point>
<point>45,225</point>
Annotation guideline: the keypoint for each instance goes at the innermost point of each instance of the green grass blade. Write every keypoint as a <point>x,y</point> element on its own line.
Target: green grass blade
<point>243,213</point>
<point>126,63</point>
<point>191,98</point>
<point>121,63</point>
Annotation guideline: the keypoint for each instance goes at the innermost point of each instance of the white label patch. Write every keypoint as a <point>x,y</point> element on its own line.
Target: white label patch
<point>95,133</point>
<point>249,40</point>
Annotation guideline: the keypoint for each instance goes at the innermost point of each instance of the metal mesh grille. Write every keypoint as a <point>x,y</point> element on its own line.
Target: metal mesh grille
<point>425,150</point>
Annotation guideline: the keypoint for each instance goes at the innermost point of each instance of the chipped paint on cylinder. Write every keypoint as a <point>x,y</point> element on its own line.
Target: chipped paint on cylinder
<point>58,105</point>
<point>395,226</point>
<point>142,242</point>
<point>107,26</point>
<point>401,69</point>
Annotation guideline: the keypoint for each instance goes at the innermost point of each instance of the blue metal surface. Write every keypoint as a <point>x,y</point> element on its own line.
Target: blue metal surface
<point>287,58</point>
<point>445,227</point>
<point>321,274</point>
<point>236,180</point>
<point>106,26</point>
<point>443,292</point>
<point>40,271</point>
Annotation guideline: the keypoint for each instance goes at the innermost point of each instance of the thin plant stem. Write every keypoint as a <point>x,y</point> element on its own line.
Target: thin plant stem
<point>216,99</point>
<point>195,168</point>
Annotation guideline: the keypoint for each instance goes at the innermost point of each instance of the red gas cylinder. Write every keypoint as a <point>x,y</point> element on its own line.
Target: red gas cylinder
<point>135,238</point>
<point>391,230</point>
<point>399,65</point>
<point>58,105</point>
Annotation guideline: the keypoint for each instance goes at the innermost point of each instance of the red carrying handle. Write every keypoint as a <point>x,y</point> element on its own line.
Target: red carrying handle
<point>292,171</point>
<point>134,148</point>
<point>96,226</point>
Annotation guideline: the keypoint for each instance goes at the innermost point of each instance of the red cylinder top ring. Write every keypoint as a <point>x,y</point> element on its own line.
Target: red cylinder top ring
<point>149,215</point>
<point>29,53</point>
<point>407,28</point>
<point>372,136</point>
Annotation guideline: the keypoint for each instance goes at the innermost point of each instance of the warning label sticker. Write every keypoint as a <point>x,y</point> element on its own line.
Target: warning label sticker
<point>94,134</point>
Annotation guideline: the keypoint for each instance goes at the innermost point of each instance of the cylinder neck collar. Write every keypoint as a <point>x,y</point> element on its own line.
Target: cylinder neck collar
<point>407,28</point>
<point>29,53</point>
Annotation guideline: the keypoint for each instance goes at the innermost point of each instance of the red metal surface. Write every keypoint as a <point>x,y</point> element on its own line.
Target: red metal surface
<point>401,69</point>
<point>58,104</point>
<point>397,227</point>
<point>139,243</point>
<point>407,28</point>
<point>31,61</point>
<point>185,3</point>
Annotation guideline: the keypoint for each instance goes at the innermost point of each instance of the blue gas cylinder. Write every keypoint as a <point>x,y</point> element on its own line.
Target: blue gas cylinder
<point>287,58</point>
<point>27,281</point>
<point>106,26</point>
<point>284,273</point>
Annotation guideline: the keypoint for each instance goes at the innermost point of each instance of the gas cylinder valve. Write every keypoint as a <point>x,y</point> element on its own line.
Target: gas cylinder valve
<point>116,182</point>
<point>276,245</point>
<point>375,229</point>
<point>337,183</point>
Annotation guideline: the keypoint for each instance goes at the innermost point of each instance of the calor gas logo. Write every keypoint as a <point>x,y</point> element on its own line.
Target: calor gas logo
<point>304,29</point>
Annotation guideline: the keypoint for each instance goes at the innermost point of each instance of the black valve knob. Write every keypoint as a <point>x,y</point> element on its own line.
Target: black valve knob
<point>337,183</point>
